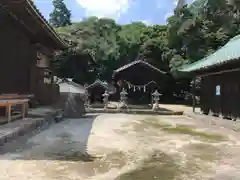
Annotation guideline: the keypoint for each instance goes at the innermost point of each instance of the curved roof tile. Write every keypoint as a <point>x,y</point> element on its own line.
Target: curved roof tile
<point>227,53</point>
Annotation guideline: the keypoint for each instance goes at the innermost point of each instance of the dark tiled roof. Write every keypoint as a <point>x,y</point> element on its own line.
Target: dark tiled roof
<point>97,83</point>
<point>33,21</point>
<point>135,63</point>
<point>45,22</point>
<point>105,85</point>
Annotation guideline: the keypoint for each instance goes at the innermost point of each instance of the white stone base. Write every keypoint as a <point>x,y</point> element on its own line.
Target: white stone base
<point>155,107</point>
<point>122,105</point>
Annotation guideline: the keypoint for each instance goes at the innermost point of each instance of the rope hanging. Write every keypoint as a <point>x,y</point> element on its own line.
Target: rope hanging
<point>139,87</point>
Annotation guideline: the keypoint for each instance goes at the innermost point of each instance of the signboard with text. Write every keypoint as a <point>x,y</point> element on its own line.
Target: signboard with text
<point>218,90</point>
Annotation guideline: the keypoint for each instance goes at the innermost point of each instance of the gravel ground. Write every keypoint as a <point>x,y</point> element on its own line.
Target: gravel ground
<point>124,147</point>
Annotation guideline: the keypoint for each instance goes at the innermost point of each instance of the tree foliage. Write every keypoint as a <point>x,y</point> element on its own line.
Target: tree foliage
<point>192,33</point>
<point>60,16</point>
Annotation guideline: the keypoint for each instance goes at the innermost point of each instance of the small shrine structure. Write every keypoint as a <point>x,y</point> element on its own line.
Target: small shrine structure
<point>97,89</point>
<point>140,79</point>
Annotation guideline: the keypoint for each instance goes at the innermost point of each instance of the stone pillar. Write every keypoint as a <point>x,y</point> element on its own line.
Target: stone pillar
<point>123,99</point>
<point>105,99</point>
<point>156,99</point>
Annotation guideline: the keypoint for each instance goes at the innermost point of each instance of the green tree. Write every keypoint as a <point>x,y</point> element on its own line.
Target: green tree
<point>94,40</point>
<point>130,41</point>
<point>60,16</point>
<point>192,33</point>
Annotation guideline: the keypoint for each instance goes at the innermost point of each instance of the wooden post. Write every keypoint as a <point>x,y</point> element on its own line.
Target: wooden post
<point>9,110</point>
<point>193,94</point>
<point>23,110</point>
<point>26,108</point>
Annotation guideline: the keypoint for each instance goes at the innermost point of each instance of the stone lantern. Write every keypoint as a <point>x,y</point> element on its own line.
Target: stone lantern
<point>105,99</point>
<point>156,97</point>
<point>123,99</point>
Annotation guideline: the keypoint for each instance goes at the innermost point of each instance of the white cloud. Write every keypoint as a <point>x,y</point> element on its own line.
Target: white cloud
<point>168,15</point>
<point>147,22</point>
<point>105,8</point>
<point>175,2</point>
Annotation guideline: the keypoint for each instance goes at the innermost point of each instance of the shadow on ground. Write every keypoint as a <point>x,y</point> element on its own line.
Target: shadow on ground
<point>131,107</point>
<point>158,166</point>
<point>65,141</point>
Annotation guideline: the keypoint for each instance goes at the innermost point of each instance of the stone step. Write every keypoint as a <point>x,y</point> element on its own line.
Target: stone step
<point>13,130</point>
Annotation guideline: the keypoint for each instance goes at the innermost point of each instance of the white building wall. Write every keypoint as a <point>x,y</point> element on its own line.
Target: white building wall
<point>65,87</point>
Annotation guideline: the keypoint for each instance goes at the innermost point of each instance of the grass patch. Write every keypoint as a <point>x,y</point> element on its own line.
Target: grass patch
<point>205,152</point>
<point>155,123</point>
<point>159,166</point>
<point>80,164</point>
<point>179,129</point>
<point>147,123</point>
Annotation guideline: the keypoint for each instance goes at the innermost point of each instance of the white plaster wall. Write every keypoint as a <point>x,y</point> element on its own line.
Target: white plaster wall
<point>65,87</point>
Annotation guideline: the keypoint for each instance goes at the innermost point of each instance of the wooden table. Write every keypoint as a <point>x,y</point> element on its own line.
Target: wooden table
<point>8,103</point>
<point>16,96</point>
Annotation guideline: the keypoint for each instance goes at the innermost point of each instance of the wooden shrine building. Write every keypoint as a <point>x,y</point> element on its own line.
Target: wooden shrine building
<point>27,44</point>
<point>220,87</point>
<point>140,79</point>
<point>97,89</point>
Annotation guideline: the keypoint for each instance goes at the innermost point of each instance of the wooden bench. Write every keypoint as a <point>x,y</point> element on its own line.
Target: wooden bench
<point>11,101</point>
<point>16,96</point>
<point>8,103</point>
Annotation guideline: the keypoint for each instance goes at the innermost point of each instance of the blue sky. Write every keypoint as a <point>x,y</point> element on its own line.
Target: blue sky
<point>123,11</point>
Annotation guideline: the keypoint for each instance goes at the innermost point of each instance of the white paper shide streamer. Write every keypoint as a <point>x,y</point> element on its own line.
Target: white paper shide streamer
<point>139,87</point>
